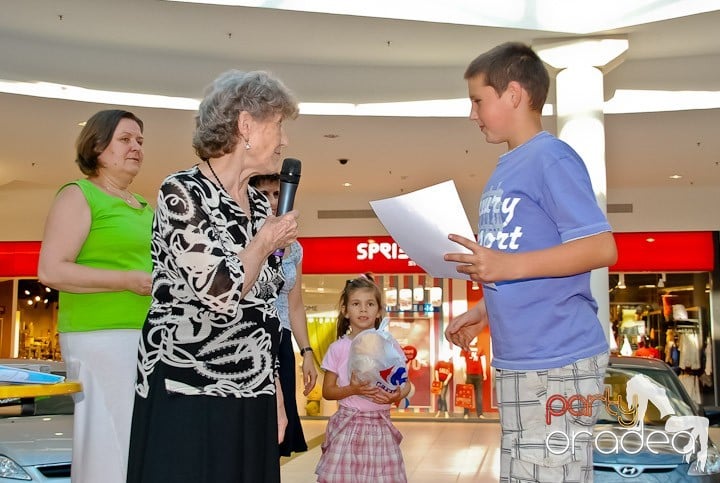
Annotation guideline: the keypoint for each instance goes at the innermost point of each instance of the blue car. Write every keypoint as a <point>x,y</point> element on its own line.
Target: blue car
<point>649,428</point>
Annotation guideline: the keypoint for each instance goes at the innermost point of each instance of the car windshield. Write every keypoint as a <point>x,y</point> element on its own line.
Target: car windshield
<point>617,410</point>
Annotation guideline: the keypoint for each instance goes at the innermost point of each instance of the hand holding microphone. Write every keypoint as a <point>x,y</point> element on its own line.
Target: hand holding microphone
<point>289,180</point>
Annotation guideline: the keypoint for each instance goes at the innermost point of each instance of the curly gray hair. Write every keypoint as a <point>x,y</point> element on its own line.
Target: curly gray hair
<point>258,93</point>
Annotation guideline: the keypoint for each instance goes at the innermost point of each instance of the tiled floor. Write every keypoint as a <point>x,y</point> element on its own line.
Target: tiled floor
<point>435,451</point>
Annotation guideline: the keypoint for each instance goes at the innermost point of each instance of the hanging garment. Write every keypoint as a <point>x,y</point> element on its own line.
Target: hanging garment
<point>626,348</point>
<point>692,386</point>
<point>689,347</point>
<point>672,353</point>
<point>708,356</point>
<point>613,342</point>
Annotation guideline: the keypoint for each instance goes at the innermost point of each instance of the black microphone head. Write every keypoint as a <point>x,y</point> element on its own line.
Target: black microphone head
<point>290,172</point>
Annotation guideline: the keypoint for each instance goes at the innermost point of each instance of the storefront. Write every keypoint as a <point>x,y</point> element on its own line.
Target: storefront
<point>418,305</point>
<point>661,304</point>
<point>654,272</point>
<point>662,282</point>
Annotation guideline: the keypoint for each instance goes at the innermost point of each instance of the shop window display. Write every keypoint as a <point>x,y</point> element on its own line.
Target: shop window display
<point>37,332</point>
<point>669,313</point>
<point>414,306</point>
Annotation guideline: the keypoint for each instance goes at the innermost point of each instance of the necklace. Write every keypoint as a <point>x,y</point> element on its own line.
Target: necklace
<point>216,176</point>
<point>125,195</point>
<point>250,202</point>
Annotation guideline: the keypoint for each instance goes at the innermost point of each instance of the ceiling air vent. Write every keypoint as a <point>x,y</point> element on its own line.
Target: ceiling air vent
<point>345,214</point>
<point>619,208</point>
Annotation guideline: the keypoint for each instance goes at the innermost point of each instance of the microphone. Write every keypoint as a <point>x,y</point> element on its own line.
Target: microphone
<point>289,179</point>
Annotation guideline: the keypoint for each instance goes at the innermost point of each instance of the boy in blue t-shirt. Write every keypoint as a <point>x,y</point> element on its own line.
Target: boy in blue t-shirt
<point>540,233</point>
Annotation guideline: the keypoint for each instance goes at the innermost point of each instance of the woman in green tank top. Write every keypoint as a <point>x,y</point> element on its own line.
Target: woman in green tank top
<point>96,252</point>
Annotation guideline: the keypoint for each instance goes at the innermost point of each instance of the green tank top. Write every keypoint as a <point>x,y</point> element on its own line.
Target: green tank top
<point>119,239</point>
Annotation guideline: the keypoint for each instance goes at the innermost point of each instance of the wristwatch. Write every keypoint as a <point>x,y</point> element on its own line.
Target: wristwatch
<point>304,350</point>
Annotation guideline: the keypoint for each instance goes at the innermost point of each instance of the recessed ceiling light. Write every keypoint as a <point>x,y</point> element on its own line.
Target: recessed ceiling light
<point>82,124</point>
<point>675,176</point>
<point>650,240</point>
<point>347,185</point>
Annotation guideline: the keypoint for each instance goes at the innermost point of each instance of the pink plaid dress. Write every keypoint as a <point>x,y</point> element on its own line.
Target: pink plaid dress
<point>361,447</point>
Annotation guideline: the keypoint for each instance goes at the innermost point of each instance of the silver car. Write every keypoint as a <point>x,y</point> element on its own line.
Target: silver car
<point>650,429</point>
<point>36,434</point>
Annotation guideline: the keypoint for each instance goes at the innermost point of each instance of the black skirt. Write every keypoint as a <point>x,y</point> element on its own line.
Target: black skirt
<point>294,437</point>
<point>202,439</point>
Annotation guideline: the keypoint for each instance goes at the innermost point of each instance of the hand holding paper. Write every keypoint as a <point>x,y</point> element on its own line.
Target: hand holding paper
<point>481,264</point>
<point>420,223</point>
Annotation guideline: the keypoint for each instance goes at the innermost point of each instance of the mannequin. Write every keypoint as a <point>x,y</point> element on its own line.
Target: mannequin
<point>475,374</point>
<point>443,373</point>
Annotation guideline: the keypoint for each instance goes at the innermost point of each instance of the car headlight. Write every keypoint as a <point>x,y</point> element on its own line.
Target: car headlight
<point>712,463</point>
<point>10,469</point>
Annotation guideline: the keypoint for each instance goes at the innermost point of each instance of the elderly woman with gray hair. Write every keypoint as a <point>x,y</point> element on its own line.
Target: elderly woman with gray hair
<point>208,405</point>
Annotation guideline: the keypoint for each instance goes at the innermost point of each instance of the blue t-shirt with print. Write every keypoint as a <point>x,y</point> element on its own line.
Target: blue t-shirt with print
<point>540,196</point>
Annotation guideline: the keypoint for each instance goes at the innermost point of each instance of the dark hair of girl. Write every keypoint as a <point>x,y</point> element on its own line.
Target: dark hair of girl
<point>364,281</point>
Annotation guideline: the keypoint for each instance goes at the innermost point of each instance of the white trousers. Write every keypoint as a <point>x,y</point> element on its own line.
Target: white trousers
<point>105,362</point>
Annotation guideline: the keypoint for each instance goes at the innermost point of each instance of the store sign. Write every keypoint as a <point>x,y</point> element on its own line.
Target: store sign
<point>379,254</point>
<point>370,250</point>
<point>19,258</point>
<point>678,251</point>
<point>642,252</point>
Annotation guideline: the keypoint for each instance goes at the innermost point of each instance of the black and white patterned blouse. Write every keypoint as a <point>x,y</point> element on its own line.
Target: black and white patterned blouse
<point>210,341</point>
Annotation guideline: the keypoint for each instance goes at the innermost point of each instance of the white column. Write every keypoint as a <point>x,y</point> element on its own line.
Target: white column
<point>580,120</point>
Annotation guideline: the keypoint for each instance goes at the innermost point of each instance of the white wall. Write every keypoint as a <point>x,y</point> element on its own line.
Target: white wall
<point>667,209</point>
<point>23,211</point>
<point>659,209</point>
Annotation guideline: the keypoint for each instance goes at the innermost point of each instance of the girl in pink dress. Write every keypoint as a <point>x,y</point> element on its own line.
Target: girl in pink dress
<point>361,443</point>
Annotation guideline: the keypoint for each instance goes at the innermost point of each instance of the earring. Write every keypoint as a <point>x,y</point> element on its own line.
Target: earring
<point>247,145</point>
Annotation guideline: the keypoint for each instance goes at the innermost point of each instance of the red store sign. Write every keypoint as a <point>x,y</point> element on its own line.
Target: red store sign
<point>379,254</point>
<point>692,251</point>
<point>686,251</point>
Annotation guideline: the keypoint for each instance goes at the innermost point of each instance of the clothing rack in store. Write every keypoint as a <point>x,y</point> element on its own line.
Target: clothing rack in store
<point>692,326</point>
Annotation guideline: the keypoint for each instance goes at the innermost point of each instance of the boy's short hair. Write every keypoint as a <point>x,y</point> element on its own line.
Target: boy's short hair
<point>513,61</point>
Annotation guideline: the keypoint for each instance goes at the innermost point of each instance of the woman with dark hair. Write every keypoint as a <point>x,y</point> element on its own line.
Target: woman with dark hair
<point>96,252</point>
<point>208,405</point>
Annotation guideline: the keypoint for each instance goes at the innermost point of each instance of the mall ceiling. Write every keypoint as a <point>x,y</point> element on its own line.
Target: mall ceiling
<point>176,49</point>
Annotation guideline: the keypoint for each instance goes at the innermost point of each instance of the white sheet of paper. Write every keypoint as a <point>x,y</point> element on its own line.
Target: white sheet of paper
<point>420,223</point>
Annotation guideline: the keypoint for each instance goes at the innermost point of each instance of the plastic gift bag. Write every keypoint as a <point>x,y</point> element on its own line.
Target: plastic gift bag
<point>377,358</point>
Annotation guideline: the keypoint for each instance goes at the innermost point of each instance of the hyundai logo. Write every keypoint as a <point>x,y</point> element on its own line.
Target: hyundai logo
<point>628,471</point>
